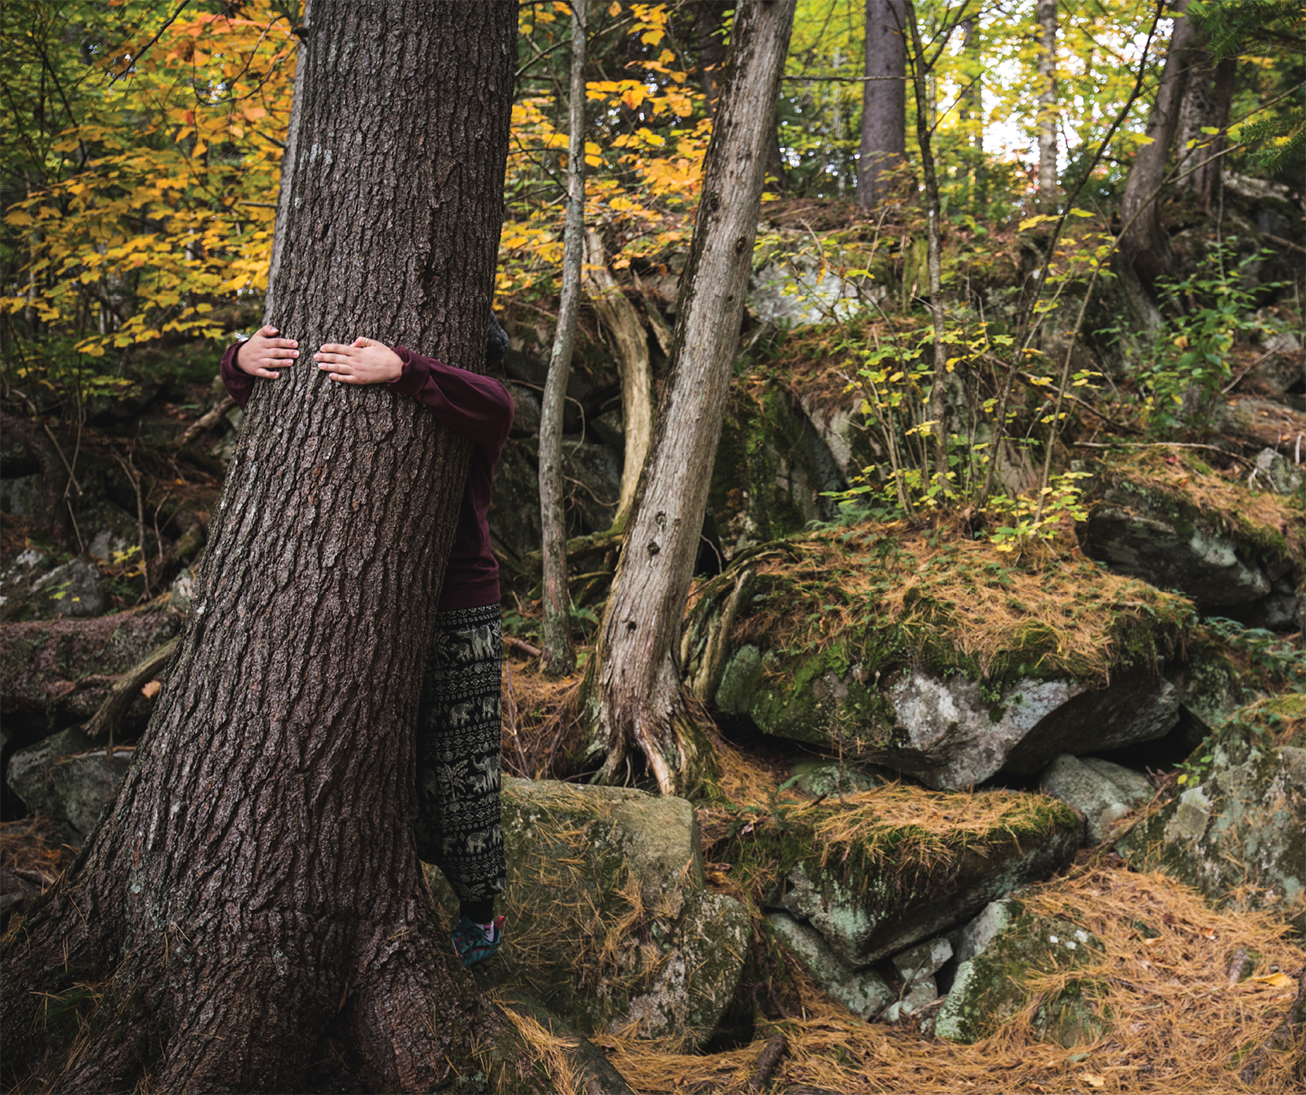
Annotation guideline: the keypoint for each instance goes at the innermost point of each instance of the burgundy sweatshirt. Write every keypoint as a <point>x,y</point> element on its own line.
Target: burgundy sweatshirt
<point>479,408</point>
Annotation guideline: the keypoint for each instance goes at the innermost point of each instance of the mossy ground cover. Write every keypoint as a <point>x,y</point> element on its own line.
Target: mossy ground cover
<point>915,838</point>
<point>1212,487</point>
<point>1182,1023</point>
<point>886,595</point>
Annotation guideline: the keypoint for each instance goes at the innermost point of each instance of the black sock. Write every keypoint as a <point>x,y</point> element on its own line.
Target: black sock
<point>478,912</point>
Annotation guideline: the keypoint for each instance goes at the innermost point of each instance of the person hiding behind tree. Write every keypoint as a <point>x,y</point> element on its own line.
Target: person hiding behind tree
<point>458,733</point>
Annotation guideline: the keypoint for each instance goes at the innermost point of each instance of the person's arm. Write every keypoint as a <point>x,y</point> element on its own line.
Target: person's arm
<point>260,356</point>
<point>478,407</point>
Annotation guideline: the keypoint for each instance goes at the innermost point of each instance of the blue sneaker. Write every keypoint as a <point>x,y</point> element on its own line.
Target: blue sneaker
<point>473,944</point>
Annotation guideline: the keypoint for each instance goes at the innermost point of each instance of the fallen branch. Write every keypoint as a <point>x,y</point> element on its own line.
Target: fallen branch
<point>522,645</point>
<point>205,422</point>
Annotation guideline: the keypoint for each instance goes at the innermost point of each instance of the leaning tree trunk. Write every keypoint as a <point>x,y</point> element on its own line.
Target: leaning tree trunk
<point>884,100</point>
<point>1144,249</point>
<point>630,348</point>
<point>639,707</point>
<point>254,889</point>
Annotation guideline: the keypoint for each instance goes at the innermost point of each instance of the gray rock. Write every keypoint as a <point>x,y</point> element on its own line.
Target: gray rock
<point>1242,828</point>
<point>863,992</point>
<point>872,913</point>
<point>1134,787</point>
<point>923,961</point>
<point>611,923</point>
<point>1281,368</point>
<point>17,579</point>
<point>69,779</point>
<point>1174,552</point>
<point>1209,691</point>
<point>74,589</point>
<point>1274,472</point>
<point>918,997</point>
<point>951,737</point>
<point>1101,799</point>
<point>23,496</point>
<point>822,778</point>
<point>800,295</point>
<point>1006,947</point>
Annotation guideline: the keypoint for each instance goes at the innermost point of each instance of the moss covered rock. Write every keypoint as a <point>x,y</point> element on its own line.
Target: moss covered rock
<point>934,654</point>
<point>1237,829</point>
<point>1004,950</point>
<point>1176,523</point>
<point>884,869</point>
<point>609,922</point>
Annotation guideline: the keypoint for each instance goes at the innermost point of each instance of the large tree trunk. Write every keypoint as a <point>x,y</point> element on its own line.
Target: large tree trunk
<point>254,889</point>
<point>640,707</point>
<point>559,656</point>
<point>884,100</point>
<point>1144,249</point>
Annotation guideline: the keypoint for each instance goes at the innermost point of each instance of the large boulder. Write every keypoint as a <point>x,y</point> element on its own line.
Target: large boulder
<point>1237,829</point>
<point>999,954</point>
<point>885,869</point>
<point>55,673</point>
<point>609,920</point>
<point>943,660</point>
<point>1180,525</point>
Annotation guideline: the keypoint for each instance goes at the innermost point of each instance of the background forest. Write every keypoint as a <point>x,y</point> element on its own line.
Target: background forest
<point>1004,544</point>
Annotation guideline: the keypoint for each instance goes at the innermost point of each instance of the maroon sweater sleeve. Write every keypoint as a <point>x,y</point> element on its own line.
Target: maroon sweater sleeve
<point>478,407</point>
<point>239,384</point>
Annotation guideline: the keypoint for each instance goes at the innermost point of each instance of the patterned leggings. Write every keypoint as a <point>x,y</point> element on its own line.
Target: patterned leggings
<point>458,759</point>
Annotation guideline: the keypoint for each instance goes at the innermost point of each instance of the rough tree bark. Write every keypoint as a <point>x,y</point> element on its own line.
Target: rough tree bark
<point>1206,105</point>
<point>633,682</point>
<point>971,109</point>
<point>1144,248</point>
<point>1047,106</point>
<point>884,100</point>
<point>253,894</point>
<point>618,315</point>
<point>559,655</point>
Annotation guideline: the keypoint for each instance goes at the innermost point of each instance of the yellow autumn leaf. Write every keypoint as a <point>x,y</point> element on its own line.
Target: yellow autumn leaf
<point>1093,1079</point>
<point>1275,980</point>
<point>614,9</point>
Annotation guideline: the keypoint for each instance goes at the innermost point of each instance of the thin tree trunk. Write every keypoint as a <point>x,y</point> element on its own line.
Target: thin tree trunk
<point>618,315</point>
<point>254,887</point>
<point>1144,249</point>
<point>1047,107</point>
<point>639,702</point>
<point>884,100</point>
<point>934,262</point>
<point>972,111</point>
<point>559,657</point>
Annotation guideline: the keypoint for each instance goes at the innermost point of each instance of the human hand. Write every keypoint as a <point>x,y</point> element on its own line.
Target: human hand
<point>365,361</point>
<point>264,353</point>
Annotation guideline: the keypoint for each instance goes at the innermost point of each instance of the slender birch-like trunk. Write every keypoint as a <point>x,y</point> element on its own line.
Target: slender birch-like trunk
<point>559,656</point>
